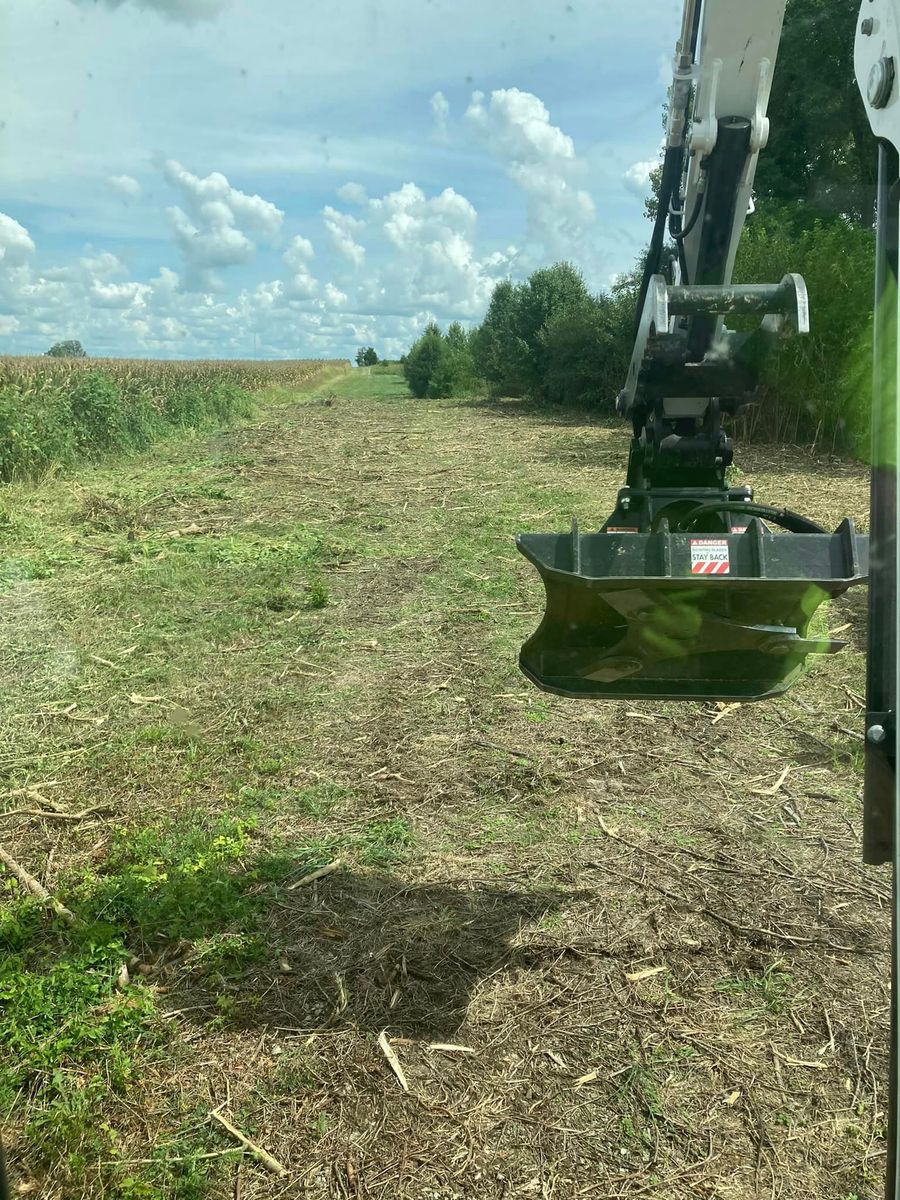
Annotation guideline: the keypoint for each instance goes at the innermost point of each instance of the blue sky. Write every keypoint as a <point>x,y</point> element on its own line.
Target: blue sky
<point>220,178</point>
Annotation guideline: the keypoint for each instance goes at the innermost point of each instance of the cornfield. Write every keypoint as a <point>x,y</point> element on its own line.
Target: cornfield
<point>55,411</point>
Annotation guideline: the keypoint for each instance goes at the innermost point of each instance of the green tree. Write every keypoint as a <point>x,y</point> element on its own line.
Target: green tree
<point>507,348</point>
<point>69,349</point>
<point>546,294</point>
<point>821,154</point>
<point>586,350</point>
<point>422,360</point>
<point>496,349</point>
<point>370,358</point>
<point>816,388</point>
<point>454,371</point>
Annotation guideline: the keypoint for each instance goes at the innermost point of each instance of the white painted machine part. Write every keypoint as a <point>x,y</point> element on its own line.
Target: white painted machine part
<point>877,44</point>
<point>737,46</point>
<point>736,52</point>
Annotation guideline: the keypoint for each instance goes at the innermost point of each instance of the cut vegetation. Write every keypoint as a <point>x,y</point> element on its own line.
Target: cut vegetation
<point>358,913</point>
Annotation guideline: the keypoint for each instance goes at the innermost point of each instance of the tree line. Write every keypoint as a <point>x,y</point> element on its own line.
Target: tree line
<point>552,341</point>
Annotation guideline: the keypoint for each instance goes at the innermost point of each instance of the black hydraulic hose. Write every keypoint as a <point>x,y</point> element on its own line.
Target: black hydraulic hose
<point>671,178</point>
<point>681,234</point>
<point>669,186</point>
<point>791,521</point>
<point>695,29</point>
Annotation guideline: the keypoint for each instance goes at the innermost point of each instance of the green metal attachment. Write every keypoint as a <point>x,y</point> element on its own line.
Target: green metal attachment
<point>684,615</point>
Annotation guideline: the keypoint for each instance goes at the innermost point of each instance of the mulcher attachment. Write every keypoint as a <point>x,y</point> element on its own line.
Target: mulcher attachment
<point>684,615</point>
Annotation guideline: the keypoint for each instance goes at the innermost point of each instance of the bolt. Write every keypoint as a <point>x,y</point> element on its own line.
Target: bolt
<point>867,26</point>
<point>875,734</point>
<point>881,82</point>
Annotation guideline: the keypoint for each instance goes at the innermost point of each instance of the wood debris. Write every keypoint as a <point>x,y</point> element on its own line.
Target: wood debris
<point>646,973</point>
<point>393,1060</point>
<point>319,873</point>
<point>263,1156</point>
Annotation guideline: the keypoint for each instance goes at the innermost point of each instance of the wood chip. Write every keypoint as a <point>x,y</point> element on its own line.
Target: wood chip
<point>451,1048</point>
<point>732,1098</point>
<point>647,973</point>
<point>187,531</point>
<point>257,1151</point>
<point>104,662</point>
<point>726,709</point>
<point>814,1064</point>
<point>589,1078</point>
<point>319,873</point>
<point>776,786</point>
<point>137,698</point>
<point>393,1060</point>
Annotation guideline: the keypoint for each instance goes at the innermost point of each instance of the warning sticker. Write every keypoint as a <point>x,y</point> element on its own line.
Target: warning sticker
<point>709,556</point>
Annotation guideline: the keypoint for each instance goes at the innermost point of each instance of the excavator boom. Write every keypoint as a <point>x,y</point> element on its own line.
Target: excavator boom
<point>684,591</point>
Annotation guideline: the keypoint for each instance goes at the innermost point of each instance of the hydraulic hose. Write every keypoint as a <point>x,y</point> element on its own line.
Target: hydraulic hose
<point>783,517</point>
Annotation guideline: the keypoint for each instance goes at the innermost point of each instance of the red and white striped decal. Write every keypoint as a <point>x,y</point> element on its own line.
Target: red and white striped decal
<point>709,568</point>
<point>709,556</point>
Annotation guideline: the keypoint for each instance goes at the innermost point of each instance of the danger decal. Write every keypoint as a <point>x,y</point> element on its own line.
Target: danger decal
<point>709,556</point>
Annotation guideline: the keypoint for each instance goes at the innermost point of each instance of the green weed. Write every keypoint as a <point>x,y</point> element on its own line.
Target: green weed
<point>771,991</point>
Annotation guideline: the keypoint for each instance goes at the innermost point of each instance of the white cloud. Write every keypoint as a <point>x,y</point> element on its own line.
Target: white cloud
<point>15,243</point>
<point>352,193</point>
<point>208,229</point>
<point>299,252</point>
<point>637,177</point>
<point>117,295</point>
<point>440,110</point>
<point>125,186</point>
<point>179,10</point>
<point>334,295</point>
<point>341,228</point>
<point>301,285</point>
<point>85,270</point>
<point>431,261</point>
<point>515,128</point>
<point>101,266</point>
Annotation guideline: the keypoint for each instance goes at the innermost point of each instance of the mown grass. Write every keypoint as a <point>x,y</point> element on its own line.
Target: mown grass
<point>248,655</point>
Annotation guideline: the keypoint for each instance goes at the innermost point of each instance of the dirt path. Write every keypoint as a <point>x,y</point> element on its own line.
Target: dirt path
<point>617,952</point>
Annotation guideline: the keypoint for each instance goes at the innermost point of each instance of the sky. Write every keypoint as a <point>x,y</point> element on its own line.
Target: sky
<point>286,179</point>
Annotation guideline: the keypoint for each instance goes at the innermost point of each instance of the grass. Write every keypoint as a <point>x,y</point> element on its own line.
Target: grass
<point>251,654</point>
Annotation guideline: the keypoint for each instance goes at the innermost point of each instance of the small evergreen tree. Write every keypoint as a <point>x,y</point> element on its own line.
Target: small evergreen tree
<point>423,359</point>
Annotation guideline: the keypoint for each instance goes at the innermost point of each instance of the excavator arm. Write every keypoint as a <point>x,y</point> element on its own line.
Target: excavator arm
<point>684,591</point>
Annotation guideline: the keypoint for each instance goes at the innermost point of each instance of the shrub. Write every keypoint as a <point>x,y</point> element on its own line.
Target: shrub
<point>817,388</point>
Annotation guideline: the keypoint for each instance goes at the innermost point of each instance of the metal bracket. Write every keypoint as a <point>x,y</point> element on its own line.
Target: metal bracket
<point>759,129</point>
<point>784,307</point>
<point>706,128</point>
